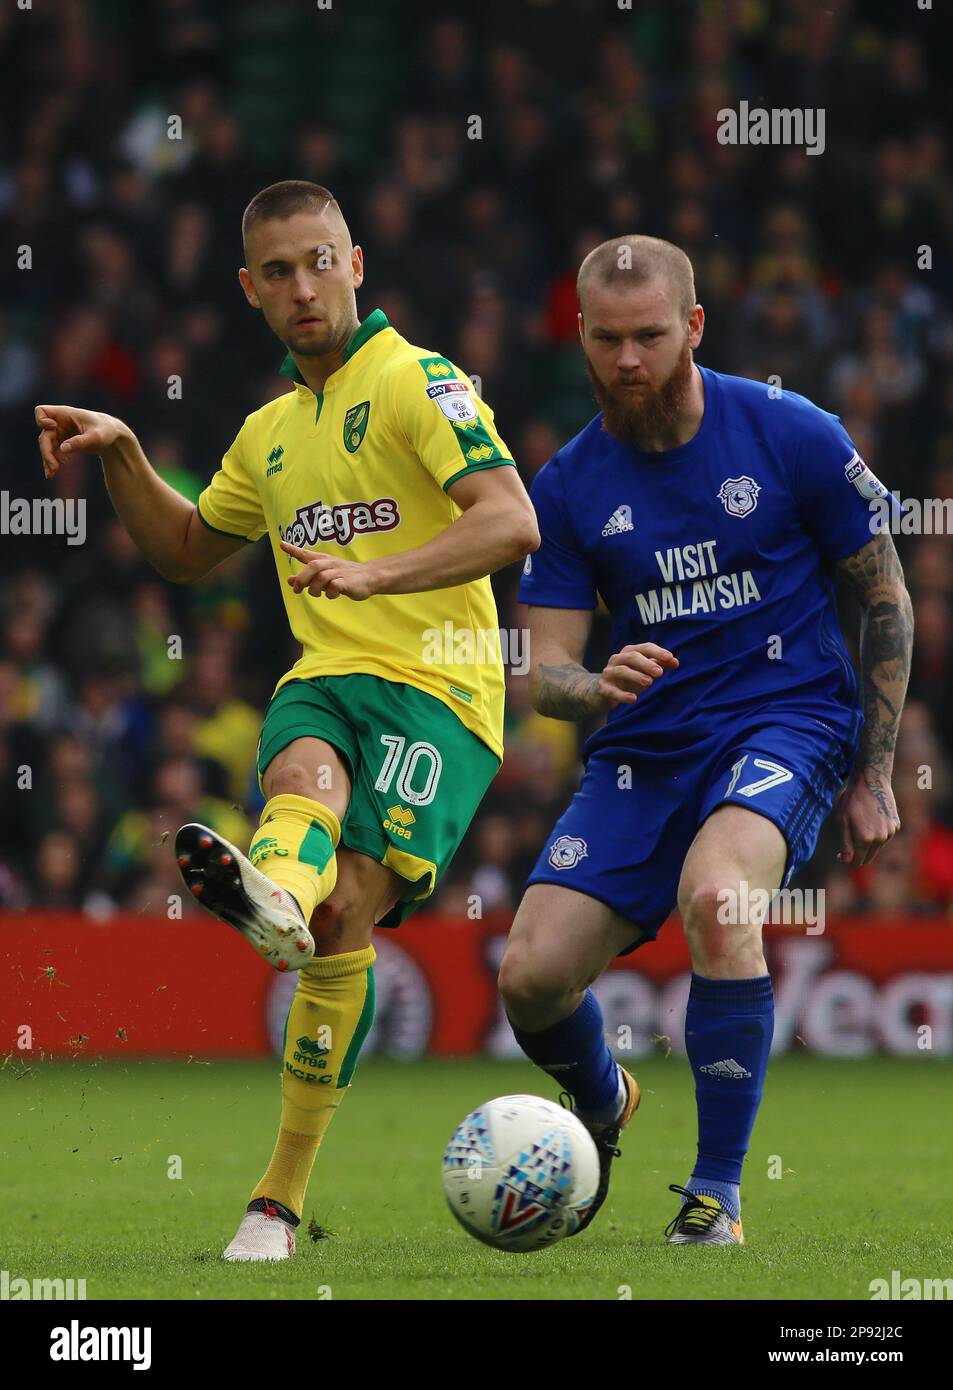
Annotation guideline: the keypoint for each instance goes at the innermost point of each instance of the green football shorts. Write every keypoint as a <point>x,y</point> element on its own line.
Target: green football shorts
<point>417,773</point>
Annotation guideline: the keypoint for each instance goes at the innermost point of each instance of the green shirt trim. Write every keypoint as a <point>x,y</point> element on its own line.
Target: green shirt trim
<point>209,527</point>
<point>477,468</point>
<point>374,323</point>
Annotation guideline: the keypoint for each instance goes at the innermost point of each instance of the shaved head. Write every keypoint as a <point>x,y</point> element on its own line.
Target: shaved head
<point>283,200</point>
<point>629,262</point>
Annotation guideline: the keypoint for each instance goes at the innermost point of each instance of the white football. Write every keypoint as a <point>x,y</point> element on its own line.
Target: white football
<point>520,1173</point>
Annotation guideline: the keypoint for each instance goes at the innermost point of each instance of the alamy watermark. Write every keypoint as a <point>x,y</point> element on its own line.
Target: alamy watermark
<point>756,125</point>
<point>788,907</point>
<point>43,516</point>
<point>76,1343</point>
<point>13,1289</point>
<point>910,1289</point>
<point>911,516</point>
<point>466,646</point>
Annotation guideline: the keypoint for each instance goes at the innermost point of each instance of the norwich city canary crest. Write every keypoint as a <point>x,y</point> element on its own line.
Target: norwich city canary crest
<point>355,425</point>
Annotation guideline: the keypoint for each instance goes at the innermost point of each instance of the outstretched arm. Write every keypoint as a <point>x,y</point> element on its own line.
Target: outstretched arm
<point>164,524</point>
<point>867,809</point>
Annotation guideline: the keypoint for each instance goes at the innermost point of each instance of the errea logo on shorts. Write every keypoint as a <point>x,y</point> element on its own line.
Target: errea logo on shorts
<point>399,819</point>
<point>567,851</point>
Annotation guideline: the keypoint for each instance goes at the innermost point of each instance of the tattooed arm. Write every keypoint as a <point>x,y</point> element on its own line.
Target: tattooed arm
<point>867,810</point>
<point>561,687</point>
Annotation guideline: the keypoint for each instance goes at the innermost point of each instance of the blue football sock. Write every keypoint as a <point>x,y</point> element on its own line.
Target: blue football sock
<point>574,1052</point>
<point>728,1194</point>
<point>729,1025</point>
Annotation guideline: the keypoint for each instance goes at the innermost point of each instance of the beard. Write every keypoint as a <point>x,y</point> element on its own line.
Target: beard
<point>314,344</point>
<point>640,419</point>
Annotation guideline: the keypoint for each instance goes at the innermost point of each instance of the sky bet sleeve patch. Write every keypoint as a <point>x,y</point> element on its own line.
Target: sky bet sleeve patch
<point>455,400</point>
<point>448,426</point>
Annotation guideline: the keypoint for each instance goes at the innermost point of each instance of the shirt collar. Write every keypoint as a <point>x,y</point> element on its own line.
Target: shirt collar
<point>372,324</point>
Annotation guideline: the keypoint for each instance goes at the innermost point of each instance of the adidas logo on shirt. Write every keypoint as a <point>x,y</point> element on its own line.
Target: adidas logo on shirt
<point>619,521</point>
<point>729,1067</point>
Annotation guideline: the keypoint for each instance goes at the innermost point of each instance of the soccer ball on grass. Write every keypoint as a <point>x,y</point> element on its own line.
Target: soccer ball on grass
<point>520,1173</point>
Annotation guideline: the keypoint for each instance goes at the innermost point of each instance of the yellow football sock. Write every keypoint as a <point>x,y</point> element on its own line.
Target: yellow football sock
<point>329,1018</point>
<point>294,845</point>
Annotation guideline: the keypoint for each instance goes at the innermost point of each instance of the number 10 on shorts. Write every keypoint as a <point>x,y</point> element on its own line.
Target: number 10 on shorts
<point>416,761</point>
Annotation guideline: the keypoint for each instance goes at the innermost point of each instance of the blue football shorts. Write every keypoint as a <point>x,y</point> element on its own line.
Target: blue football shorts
<point>625,834</point>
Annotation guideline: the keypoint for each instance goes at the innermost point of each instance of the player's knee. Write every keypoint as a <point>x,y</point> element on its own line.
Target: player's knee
<point>291,779</point>
<point>702,908</point>
<point>527,987</point>
<point>341,923</point>
<point>345,920</point>
<point>717,936</point>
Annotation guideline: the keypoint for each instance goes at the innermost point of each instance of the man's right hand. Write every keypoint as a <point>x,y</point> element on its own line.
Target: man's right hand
<point>633,670</point>
<point>65,430</point>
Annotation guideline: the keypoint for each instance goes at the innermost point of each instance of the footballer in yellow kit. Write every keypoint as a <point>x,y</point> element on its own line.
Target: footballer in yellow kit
<point>388,498</point>
<point>361,470</point>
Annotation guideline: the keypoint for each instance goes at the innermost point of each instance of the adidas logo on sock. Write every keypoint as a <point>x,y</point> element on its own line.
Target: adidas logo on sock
<point>619,521</point>
<point>727,1067</point>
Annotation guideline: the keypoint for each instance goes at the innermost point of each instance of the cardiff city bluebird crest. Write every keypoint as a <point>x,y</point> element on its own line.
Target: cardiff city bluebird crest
<point>739,495</point>
<point>567,851</point>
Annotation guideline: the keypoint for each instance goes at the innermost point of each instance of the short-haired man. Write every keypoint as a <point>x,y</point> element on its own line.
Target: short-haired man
<point>388,498</point>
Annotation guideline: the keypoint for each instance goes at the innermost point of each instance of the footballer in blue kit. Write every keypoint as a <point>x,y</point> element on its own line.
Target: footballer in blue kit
<point>710,514</point>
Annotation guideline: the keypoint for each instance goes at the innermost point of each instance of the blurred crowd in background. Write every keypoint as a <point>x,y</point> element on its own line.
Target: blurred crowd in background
<point>593,121</point>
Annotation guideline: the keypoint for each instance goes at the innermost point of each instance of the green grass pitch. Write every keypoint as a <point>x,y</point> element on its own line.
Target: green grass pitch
<point>864,1149</point>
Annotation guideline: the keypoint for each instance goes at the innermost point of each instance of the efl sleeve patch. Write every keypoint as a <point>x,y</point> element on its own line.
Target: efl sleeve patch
<point>835,491</point>
<point>455,400</point>
<point>454,433</point>
<point>866,483</point>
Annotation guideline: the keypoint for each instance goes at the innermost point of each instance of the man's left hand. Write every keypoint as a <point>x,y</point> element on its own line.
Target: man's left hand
<point>868,816</point>
<point>330,575</point>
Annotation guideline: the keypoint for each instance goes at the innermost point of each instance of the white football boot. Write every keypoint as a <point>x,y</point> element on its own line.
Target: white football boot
<point>263,1234</point>
<point>226,882</point>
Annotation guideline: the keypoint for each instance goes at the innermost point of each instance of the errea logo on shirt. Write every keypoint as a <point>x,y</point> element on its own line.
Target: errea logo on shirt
<point>274,460</point>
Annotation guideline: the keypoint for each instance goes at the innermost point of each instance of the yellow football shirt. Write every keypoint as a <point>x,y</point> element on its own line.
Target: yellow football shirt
<point>362,470</point>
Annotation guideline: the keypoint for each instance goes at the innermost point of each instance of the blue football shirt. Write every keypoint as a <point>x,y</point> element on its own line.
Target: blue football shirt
<point>722,550</point>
